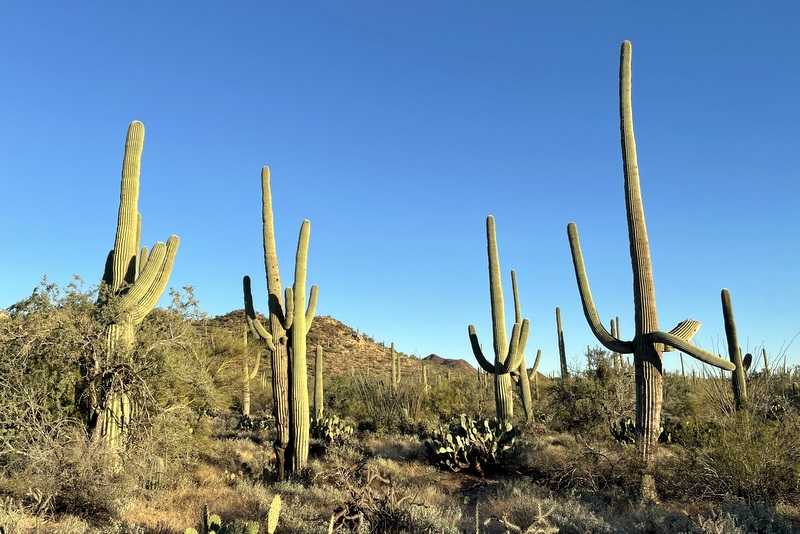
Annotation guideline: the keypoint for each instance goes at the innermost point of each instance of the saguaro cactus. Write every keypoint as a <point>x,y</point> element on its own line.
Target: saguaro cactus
<point>562,351</point>
<point>738,379</point>
<point>507,355</point>
<point>396,369</point>
<point>289,324</point>
<point>521,373</point>
<point>132,284</point>
<point>648,342</point>
<point>318,401</point>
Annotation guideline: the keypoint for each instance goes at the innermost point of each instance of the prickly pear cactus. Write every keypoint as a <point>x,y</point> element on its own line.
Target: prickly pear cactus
<point>472,444</point>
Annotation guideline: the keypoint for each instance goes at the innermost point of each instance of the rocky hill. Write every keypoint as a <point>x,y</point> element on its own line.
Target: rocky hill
<point>345,350</point>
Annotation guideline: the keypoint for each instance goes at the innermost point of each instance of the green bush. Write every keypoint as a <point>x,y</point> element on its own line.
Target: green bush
<point>744,458</point>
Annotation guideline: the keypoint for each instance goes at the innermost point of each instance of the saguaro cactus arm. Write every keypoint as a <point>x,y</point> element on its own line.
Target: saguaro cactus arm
<point>607,340</point>
<point>255,326</point>
<point>684,346</point>
<point>143,295</point>
<point>535,369</point>
<point>515,351</point>
<point>299,287</point>
<point>478,351</point>
<point>685,330</point>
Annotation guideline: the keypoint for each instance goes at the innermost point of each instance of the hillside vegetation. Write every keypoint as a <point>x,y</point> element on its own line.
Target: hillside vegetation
<point>569,468</point>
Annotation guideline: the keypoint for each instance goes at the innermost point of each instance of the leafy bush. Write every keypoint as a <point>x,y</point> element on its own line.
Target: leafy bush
<point>589,404</point>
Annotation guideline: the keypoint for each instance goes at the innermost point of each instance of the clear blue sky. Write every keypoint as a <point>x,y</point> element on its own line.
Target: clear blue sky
<point>396,128</point>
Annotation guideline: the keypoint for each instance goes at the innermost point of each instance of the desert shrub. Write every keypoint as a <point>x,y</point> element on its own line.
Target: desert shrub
<point>44,341</point>
<point>376,505</point>
<point>522,506</point>
<point>69,474</point>
<point>372,402</point>
<point>650,518</point>
<point>744,458</point>
<point>448,398</point>
<point>755,518</point>
<point>589,404</point>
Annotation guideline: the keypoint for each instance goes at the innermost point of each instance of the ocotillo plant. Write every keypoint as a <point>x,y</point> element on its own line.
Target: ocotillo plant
<point>318,401</point>
<point>738,378</point>
<point>289,324</point>
<point>562,351</point>
<point>132,284</point>
<point>507,355</point>
<point>521,373</point>
<point>648,342</point>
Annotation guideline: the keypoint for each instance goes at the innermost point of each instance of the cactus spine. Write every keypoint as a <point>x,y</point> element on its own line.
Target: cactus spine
<point>648,342</point>
<point>318,401</point>
<point>507,355</point>
<point>132,284</point>
<point>738,380</point>
<point>562,351</point>
<point>289,324</point>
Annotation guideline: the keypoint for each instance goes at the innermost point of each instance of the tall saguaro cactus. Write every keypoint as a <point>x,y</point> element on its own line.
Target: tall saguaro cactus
<point>648,342</point>
<point>507,354</point>
<point>738,380</point>
<point>289,324</point>
<point>133,282</point>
